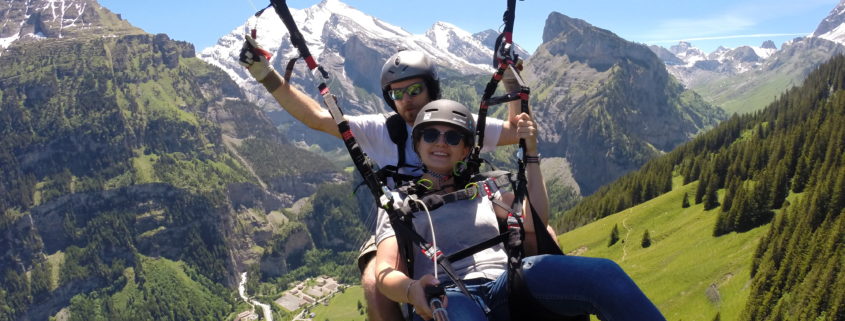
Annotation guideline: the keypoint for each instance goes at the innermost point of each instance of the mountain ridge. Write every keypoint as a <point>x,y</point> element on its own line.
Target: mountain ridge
<point>779,168</point>
<point>121,148</point>
<point>747,78</point>
<point>334,30</point>
<point>605,103</point>
<point>42,19</point>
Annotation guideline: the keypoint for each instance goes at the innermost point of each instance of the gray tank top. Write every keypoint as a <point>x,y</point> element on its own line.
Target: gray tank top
<point>457,225</point>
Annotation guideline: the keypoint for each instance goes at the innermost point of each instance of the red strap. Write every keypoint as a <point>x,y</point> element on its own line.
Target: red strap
<point>347,135</point>
<point>311,62</point>
<point>263,52</point>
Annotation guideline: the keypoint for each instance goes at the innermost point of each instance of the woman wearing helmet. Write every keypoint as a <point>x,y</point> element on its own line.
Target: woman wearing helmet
<point>564,285</point>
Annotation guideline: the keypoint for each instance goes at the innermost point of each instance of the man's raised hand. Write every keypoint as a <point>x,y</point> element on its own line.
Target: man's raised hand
<point>255,59</point>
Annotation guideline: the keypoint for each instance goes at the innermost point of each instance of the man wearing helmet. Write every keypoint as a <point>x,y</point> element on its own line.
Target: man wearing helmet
<point>409,81</point>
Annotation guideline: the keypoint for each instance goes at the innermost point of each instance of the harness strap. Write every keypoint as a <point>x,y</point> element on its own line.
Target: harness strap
<point>490,186</point>
<point>399,135</point>
<point>467,252</point>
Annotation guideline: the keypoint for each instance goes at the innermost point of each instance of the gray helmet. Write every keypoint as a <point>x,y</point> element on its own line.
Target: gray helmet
<point>448,112</point>
<point>406,65</point>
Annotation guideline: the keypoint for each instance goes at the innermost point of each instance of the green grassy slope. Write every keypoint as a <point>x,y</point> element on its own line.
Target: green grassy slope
<point>749,94</point>
<point>161,287</point>
<point>686,272</point>
<point>343,306</point>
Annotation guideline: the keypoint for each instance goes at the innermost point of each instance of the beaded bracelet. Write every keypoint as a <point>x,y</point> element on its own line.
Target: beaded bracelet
<point>532,159</point>
<point>408,290</point>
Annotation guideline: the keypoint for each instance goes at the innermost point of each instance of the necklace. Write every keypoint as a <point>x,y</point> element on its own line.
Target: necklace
<point>440,177</point>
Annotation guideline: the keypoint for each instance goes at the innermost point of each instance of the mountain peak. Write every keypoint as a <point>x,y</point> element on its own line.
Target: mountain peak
<point>333,5</point>
<point>32,20</point>
<point>768,44</point>
<point>831,28</point>
<point>558,23</point>
<point>442,26</point>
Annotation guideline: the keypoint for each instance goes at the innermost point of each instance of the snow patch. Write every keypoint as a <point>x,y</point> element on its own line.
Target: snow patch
<point>836,35</point>
<point>764,53</point>
<point>6,42</point>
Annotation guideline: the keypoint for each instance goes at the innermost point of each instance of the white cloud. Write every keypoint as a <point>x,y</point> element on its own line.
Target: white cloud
<point>757,35</point>
<point>741,20</point>
<point>698,27</point>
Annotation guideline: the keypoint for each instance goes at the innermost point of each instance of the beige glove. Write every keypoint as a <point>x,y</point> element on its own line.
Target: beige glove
<point>255,59</point>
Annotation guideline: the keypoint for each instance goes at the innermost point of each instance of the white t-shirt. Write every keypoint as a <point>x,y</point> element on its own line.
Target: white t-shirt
<point>372,135</point>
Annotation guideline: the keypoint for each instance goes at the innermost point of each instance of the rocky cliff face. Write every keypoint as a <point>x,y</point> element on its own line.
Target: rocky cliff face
<point>127,146</point>
<point>607,104</point>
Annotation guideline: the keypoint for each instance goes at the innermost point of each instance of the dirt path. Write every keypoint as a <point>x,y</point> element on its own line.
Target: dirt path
<point>625,240</point>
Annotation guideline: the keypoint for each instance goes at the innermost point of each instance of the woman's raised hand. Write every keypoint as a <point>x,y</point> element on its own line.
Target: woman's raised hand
<point>525,129</point>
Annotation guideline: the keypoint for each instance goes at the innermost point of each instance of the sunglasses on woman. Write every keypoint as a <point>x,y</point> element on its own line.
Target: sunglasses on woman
<point>432,135</point>
<point>412,90</point>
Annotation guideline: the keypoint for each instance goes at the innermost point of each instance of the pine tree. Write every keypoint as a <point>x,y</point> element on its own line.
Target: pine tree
<point>646,242</point>
<point>614,236</point>
<point>780,187</point>
<point>711,196</point>
<point>701,190</point>
<point>802,173</point>
<point>685,202</point>
<point>41,280</point>
<point>733,187</point>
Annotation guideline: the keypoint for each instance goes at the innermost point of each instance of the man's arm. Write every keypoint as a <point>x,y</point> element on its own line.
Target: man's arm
<point>303,108</point>
<point>509,136</point>
<point>295,102</point>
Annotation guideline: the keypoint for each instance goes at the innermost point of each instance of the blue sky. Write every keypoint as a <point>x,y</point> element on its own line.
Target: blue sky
<point>706,24</point>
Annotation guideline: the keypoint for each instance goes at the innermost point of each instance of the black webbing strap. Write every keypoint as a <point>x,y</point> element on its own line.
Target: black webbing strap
<point>400,223</point>
<point>467,252</point>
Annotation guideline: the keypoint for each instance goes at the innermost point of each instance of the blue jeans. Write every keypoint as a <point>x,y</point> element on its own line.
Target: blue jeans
<point>565,285</point>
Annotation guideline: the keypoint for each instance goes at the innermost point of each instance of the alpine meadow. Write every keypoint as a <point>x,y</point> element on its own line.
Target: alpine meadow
<point>764,238</point>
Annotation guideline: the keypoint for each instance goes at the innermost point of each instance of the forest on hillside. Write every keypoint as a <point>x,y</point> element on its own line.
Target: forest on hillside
<point>793,147</point>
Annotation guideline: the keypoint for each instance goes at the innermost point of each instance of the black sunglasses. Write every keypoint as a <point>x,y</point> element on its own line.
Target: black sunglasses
<point>413,90</point>
<point>431,135</point>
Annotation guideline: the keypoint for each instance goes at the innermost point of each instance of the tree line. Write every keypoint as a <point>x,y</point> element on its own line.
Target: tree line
<point>783,164</point>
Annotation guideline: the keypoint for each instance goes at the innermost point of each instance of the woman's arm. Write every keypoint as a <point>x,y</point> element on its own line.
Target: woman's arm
<point>393,281</point>
<point>537,193</point>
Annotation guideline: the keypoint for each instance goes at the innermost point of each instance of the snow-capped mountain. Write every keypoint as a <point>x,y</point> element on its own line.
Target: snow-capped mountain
<point>352,46</point>
<point>743,79</point>
<point>832,27</point>
<point>698,66</point>
<point>488,39</point>
<point>449,38</point>
<point>687,53</point>
<point>39,19</point>
<point>685,62</point>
